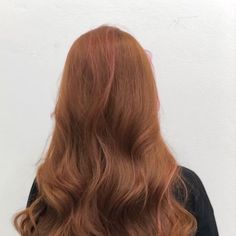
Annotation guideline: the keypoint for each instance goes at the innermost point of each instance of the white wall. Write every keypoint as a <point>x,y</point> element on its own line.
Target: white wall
<point>194,54</point>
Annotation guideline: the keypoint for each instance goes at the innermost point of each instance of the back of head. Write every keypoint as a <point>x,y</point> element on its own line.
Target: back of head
<point>107,170</point>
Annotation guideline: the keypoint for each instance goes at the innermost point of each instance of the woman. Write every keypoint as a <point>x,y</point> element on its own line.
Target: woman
<point>108,171</point>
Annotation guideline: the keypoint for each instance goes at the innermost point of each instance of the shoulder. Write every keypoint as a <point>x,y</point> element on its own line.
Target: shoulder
<point>199,203</point>
<point>196,188</point>
<point>33,193</point>
<point>192,180</point>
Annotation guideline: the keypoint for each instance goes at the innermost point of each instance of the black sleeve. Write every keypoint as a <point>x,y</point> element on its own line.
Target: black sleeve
<point>200,205</point>
<point>33,193</point>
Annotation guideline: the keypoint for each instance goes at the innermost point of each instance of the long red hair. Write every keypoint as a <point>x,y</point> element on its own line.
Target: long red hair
<point>107,170</point>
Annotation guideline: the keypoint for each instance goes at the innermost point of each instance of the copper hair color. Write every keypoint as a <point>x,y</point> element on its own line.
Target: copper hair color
<point>107,170</point>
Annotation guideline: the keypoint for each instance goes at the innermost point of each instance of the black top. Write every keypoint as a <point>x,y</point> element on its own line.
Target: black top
<point>198,204</point>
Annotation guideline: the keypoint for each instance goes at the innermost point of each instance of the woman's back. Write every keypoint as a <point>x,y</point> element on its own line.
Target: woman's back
<point>108,170</point>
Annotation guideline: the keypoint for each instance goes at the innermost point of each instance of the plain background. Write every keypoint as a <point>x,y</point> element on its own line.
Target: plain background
<point>194,55</point>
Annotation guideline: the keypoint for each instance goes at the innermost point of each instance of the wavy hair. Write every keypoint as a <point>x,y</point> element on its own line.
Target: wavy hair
<point>107,170</point>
